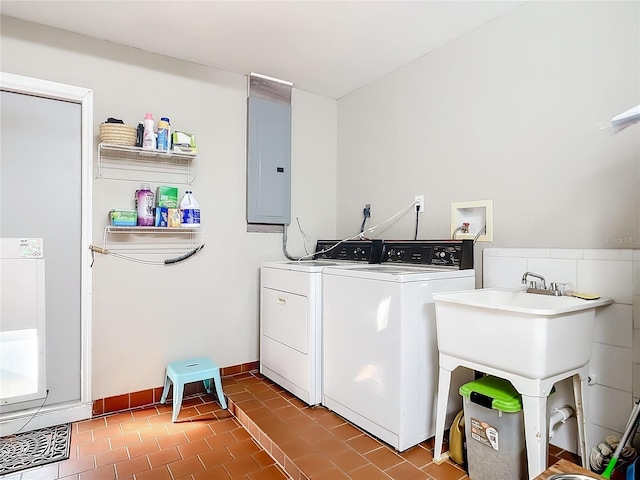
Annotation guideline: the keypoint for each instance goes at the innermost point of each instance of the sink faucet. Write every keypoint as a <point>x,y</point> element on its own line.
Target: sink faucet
<point>539,277</point>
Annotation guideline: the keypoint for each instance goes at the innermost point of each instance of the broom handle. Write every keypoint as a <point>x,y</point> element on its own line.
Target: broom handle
<point>625,437</point>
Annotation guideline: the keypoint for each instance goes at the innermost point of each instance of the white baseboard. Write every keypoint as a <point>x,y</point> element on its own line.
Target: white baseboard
<point>11,423</point>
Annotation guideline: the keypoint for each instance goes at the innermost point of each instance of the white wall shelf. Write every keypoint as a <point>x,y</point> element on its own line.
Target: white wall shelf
<point>164,239</point>
<point>118,162</point>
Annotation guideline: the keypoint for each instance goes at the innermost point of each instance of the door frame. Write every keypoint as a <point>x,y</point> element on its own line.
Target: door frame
<point>69,412</point>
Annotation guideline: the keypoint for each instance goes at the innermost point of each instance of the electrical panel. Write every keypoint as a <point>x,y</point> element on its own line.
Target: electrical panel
<point>268,160</point>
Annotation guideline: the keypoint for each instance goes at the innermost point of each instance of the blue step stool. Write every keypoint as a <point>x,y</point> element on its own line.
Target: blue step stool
<point>192,370</point>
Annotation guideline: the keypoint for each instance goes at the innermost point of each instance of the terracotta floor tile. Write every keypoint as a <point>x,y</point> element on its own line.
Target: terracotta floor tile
<point>159,473</point>
<point>198,433</point>
<point>348,460</point>
<point>368,472</point>
<point>262,458</point>
<point>88,425</point>
<point>123,440</point>
<point>220,440</point>
<point>224,425</point>
<point>80,438</point>
<point>172,440</point>
<point>185,467</point>
<point>384,458</point>
<point>118,418</point>
<point>215,457</point>
<point>243,448</point>
<point>345,431</point>
<point>407,471</point>
<point>163,418</point>
<point>163,457</point>
<point>144,413</point>
<point>333,474</point>
<point>213,473</point>
<point>132,466</point>
<point>153,432</point>
<point>241,466</point>
<point>330,421</point>
<point>193,448</point>
<point>444,471</point>
<point>142,448</point>
<point>270,473</point>
<point>112,456</point>
<point>106,472</point>
<point>296,448</point>
<point>311,443</point>
<point>92,448</point>
<point>418,456</point>
<point>240,434</point>
<point>287,413</point>
<point>136,425</point>
<point>314,464</point>
<point>363,443</point>
<point>207,407</point>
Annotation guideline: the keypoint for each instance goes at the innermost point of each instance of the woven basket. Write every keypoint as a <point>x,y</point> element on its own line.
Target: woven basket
<point>117,134</point>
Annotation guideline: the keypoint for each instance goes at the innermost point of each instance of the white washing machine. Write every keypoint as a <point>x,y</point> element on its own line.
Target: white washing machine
<point>380,354</point>
<point>291,315</point>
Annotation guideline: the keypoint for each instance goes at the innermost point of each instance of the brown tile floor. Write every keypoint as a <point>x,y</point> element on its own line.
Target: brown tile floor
<point>282,438</point>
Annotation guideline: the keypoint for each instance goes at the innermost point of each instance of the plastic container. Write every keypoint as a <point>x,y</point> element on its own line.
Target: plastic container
<point>148,138</point>
<point>494,430</point>
<point>144,206</point>
<point>166,119</point>
<point>189,211</point>
<point>163,136</point>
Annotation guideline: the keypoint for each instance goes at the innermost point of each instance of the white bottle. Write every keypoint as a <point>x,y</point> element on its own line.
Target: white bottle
<point>148,138</point>
<point>189,211</point>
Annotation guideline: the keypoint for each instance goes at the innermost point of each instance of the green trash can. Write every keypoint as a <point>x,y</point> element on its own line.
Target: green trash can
<point>494,430</point>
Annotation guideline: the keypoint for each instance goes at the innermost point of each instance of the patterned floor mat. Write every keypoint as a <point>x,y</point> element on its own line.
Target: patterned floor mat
<point>35,448</point>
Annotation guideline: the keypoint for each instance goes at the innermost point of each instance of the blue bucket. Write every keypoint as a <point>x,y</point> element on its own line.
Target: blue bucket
<point>633,470</point>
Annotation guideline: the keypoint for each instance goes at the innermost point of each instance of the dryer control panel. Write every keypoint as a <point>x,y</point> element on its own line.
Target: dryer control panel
<point>455,254</point>
<point>353,250</point>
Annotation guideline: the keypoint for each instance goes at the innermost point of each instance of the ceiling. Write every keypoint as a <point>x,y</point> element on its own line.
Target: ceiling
<point>329,48</point>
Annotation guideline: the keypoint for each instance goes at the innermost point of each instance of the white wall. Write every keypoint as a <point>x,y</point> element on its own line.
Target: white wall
<point>144,317</point>
<point>510,112</point>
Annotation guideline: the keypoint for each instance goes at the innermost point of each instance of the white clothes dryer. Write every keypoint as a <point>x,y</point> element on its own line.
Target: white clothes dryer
<point>380,355</point>
<point>291,315</point>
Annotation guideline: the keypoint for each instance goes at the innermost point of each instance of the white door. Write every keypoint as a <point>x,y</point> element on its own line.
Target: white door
<point>45,194</point>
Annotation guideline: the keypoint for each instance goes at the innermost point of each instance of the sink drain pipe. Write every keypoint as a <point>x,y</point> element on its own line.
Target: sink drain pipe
<point>559,415</point>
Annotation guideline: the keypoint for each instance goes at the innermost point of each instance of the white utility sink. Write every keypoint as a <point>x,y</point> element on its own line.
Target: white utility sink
<point>531,335</point>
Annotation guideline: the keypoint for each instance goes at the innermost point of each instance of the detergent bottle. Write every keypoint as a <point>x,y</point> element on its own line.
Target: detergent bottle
<point>144,206</point>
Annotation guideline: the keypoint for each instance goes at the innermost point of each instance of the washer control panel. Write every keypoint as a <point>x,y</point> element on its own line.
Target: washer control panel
<point>457,254</point>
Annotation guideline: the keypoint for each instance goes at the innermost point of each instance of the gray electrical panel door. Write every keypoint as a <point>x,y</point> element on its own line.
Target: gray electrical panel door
<point>269,162</point>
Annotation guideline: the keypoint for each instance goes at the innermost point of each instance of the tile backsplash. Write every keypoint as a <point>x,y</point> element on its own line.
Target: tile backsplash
<point>615,364</point>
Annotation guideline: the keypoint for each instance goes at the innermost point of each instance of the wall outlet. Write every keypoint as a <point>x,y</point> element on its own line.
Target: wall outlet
<point>419,199</point>
<point>367,210</point>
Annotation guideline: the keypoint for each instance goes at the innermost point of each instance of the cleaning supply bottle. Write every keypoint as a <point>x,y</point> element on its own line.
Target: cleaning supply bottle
<point>189,211</point>
<point>148,139</point>
<point>163,136</point>
<point>144,206</point>
<point>166,119</point>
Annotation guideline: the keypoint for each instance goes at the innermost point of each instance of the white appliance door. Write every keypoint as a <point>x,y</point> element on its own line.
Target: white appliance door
<point>361,339</point>
<point>22,320</point>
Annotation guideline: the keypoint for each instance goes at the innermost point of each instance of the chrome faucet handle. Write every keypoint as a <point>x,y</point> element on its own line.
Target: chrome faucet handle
<point>557,288</point>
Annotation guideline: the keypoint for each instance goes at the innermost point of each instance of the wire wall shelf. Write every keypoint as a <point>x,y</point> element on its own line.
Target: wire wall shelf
<point>118,162</point>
